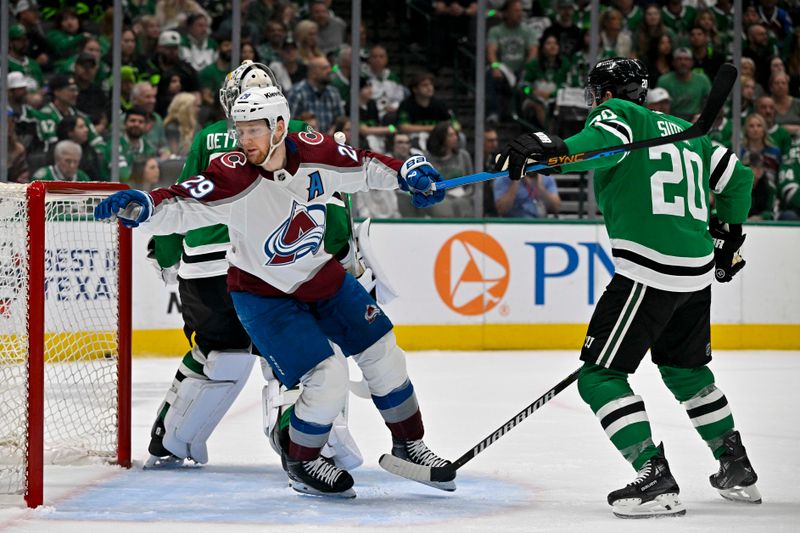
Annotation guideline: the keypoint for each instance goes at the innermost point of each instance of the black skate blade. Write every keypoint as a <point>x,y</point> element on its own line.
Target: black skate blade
<point>442,478</point>
<point>302,488</point>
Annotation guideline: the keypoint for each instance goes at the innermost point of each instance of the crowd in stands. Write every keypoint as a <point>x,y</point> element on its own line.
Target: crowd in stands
<point>176,54</point>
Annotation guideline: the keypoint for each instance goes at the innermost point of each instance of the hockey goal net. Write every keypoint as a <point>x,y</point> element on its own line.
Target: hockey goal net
<point>65,282</point>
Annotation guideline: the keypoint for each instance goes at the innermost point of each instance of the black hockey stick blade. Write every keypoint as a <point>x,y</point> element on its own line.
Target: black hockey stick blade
<point>723,83</point>
<point>426,474</point>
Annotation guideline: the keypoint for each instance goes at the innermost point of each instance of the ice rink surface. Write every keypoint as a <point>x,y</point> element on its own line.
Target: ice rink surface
<point>551,473</point>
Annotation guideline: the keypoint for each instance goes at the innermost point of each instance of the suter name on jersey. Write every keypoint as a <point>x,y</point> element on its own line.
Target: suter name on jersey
<point>668,185</point>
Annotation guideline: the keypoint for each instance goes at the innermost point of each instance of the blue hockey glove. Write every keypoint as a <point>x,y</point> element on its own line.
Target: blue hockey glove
<point>132,207</point>
<point>417,177</point>
<point>728,238</point>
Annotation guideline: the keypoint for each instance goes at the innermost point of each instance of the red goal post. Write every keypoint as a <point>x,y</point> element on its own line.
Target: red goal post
<point>65,333</point>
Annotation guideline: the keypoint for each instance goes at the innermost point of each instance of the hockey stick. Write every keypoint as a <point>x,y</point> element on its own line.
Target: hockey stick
<point>723,83</point>
<point>426,474</point>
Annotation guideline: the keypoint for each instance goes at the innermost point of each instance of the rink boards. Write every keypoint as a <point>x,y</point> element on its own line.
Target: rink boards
<point>511,285</point>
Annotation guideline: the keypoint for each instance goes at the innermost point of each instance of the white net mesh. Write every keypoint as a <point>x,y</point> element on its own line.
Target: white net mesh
<point>81,333</point>
<point>13,337</point>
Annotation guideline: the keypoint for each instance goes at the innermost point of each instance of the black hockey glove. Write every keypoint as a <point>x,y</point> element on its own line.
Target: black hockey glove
<point>536,146</point>
<point>728,238</point>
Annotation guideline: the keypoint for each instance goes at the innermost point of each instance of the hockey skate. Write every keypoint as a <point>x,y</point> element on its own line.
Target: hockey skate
<point>319,477</point>
<point>736,479</point>
<point>654,492</point>
<point>417,452</point>
<point>160,457</point>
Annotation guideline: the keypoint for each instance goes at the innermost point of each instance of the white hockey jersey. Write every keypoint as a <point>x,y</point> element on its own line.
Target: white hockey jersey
<point>276,220</point>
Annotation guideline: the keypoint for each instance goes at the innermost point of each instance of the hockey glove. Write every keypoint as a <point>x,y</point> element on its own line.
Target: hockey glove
<point>132,207</point>
<point>417,177</point>
<point>728,238</point>
<point>169,275</point>
<point>529,148</point>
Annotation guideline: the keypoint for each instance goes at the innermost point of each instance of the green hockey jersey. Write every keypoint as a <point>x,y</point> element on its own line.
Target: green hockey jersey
<point>788,184</point>
<point>203,250</point>
<point>48,118</point>
<point>656,201</point>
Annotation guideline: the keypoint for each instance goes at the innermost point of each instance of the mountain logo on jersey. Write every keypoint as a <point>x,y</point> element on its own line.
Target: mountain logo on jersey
<point>372,312</point>
<point>471,273</point>
<point>299,235</point>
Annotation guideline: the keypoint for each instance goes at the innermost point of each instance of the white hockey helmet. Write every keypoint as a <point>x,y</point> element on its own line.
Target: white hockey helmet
<point>248,75</point>
<point>263,103</point>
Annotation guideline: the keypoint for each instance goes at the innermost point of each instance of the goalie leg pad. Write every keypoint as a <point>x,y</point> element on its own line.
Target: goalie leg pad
<point>200,404</point>
<point>229,366</point>
<point>341,447</point>
<point>385,291</point>
<point>275,399</point>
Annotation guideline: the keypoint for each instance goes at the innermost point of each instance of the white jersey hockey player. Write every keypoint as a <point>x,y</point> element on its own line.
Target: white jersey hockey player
<point>292,297</point>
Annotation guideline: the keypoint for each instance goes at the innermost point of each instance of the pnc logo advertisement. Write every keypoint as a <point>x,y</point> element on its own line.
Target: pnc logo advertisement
<point>471,273</point>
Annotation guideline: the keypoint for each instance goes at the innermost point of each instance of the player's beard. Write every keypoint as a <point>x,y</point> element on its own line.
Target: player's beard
<point>258,157</point>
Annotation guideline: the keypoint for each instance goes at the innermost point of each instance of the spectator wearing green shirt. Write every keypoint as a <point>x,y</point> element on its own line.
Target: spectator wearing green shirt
<point>132,144</point>
<point>27,14</point>
<point>66,38</point>
<point>73,128</point>
<point>197,48</point>
<point>64,92</point>
<point>631,13</point>
<point>688,89</point>
<point>776,134</point>
<point>270,50</point>
<point>341,73</point>
<point>17,60</point>
<point>67,156</point>
<point>678,17</point>
<point>723,14</point>
<point>212,77</point>
<point>544,76</point>
<point>143,95</point>
<point>25,117</point>
<point>509,46</point>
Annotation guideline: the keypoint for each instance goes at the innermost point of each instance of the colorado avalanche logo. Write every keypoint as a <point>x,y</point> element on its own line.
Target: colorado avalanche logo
<point>299,235</point>
<point>372,313</point>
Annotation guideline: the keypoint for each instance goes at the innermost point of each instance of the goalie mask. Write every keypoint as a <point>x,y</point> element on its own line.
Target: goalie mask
<point>248,75</point>
<point>268,104</point>
<point>626,79</point>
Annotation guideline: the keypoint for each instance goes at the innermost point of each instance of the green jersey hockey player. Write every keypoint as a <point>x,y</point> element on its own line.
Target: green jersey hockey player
<point>214,370</point>
<point>656,207</point>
